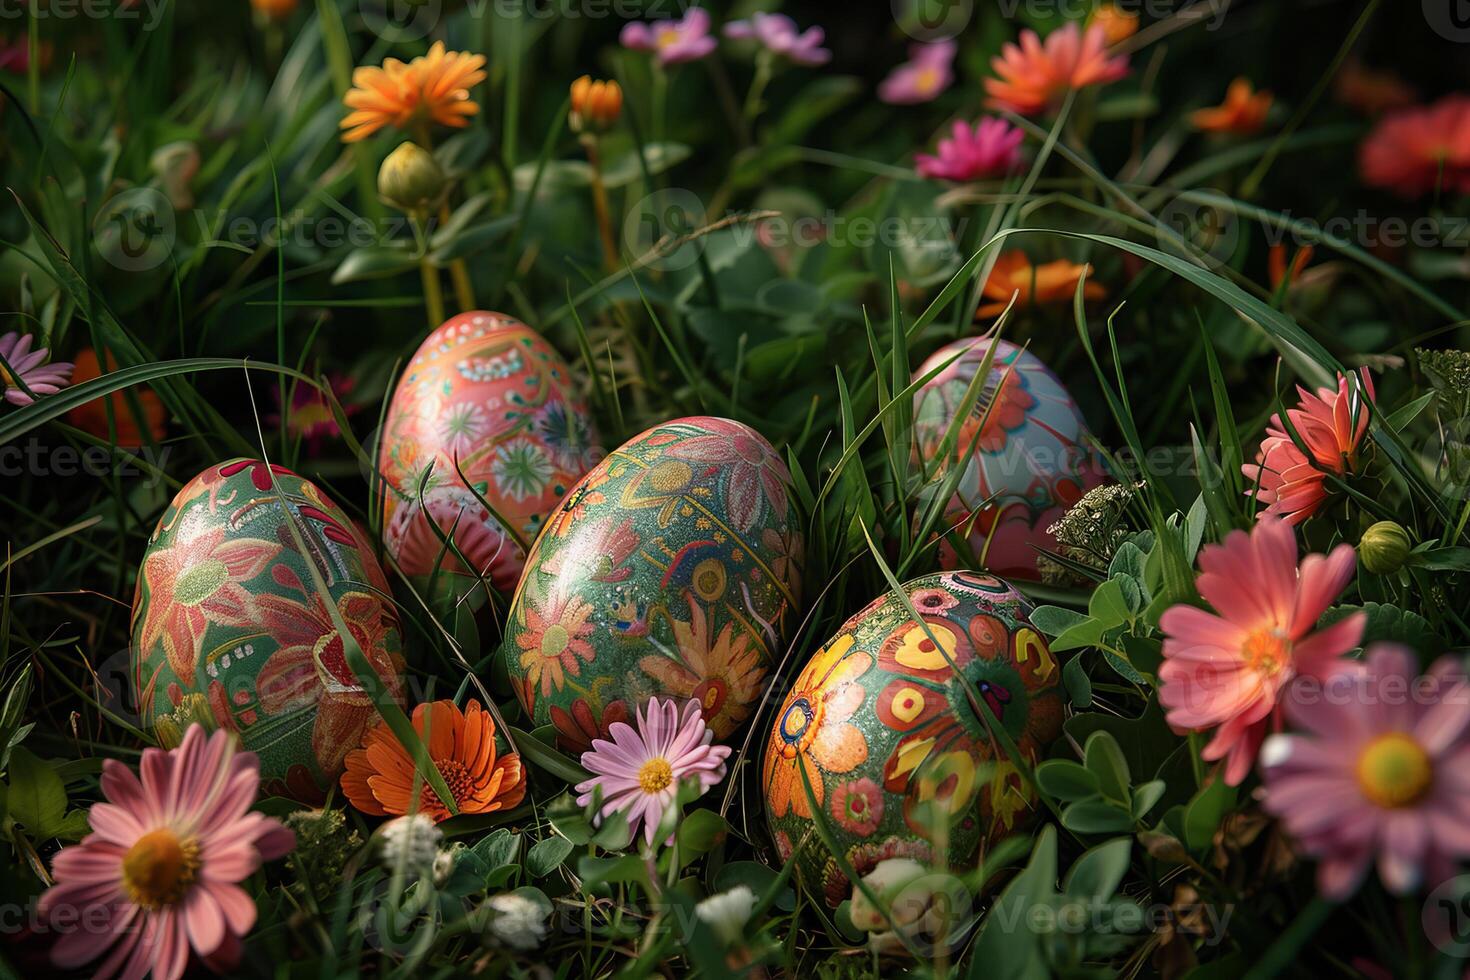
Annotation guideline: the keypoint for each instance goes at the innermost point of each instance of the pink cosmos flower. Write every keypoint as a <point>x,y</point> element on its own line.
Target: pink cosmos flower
<point>1382,771</point>
<point>673,41</point>
<point>159,875</point>
<point>777,33</point>
<point>30,367</point>
<point>1331,424</point>
<point>1035,77</point>
<point>929,71</point>
<point>640,770</point>
<point>991,149</point>
<point>1421,149</point>
<point>1226,670</point>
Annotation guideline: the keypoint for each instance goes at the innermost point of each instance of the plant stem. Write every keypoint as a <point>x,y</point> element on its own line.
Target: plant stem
<point>433,294</point>
<point>459,273</point>
<point>599,203</point>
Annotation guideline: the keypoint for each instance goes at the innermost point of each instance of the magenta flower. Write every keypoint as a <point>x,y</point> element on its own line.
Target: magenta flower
<point>673,41</point>
<point>640,770</point>
<point>929,71</point>
<point>159,875</point>
<point>991,149</point>
<point>1228,671</point>
<point>1381,772</point>
<point>777,33</point>
<point>31,368</point>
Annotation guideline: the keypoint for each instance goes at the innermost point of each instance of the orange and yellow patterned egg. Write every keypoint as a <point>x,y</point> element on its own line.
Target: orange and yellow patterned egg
<point>880,733</point>
<point>485,427</point>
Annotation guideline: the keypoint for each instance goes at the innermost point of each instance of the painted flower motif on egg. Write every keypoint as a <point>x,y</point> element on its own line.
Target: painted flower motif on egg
<point>1030,462</point>
<point>229,630</point>
<point>488,397</point>
<point>895,753</point>
<point>672,570</point>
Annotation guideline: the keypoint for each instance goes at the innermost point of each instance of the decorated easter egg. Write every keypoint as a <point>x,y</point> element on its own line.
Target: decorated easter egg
<point>229,629</point>
<point>485,427</point>
<point>899,759</point>
<point>671,569</point>
<point>1023,447</point>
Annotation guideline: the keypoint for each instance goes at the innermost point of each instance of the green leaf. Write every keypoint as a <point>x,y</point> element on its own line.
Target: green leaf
<point>1056,620</point>
<point>546,758</point>
<point>1088,633</point>
<point>547,855</point>
<point>701,830</point>
<point>37,798</point>
<point>758,878</point>
<point>1097,873</point>
<point>1108,605</point>
<point>628,869</point>
<point>1205,811</point>
<point>1066,780</point>
<point>375,262</point>
<point>1078,684</point>
<point>1006,948</point>
<point>1096,817</point>
<point>1146,797</point>
<point>499,849</point>
<point>1105,760</point>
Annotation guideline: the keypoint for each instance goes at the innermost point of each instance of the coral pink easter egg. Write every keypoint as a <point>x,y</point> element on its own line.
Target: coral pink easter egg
<point>485,400</point>
<point>1023,447</point>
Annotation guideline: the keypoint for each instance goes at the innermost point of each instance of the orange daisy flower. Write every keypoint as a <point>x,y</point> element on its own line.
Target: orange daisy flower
<point>92,416</point>
<point>434,87</point>
<point>1243,111</point>
<point>380,777</point>
<point>1035,77</point>
<point>1117,24</point>
<point>1050,282</point>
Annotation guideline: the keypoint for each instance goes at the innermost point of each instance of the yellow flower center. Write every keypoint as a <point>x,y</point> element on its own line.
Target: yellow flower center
<point>554,641</point>
<point>1395,771</point>
<point>927,80</point>
<point>655,775</point>
<point>159,868</point>
<point>1266,651</point>
<point>7,380</point>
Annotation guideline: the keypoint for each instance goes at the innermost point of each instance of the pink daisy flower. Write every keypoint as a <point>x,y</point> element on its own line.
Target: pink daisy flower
<point>777,33</point>
<point>1331,424</point>
<point>929,71</point>
<point>1226,670</point>
<point>30,367</point>
<point>639,770</point>
<point>991,149</point>
<point>673,41</point>
<point>158,876</point>
<point>1382,773</point>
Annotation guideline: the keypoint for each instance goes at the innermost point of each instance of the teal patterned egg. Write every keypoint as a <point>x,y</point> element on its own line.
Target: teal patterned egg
<point>672,569</point>
<point>228,629</point>
<point>881,726</point>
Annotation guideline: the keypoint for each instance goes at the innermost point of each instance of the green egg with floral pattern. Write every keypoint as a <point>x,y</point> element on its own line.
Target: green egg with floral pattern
<point>672,569</point>
<point>879,731</point>
<point>229,629</point>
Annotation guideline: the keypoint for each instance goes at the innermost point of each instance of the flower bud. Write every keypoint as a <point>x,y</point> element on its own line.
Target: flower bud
<point>899,884</point>
<point>595,104</point>
<point>1384,548</point>
<point>274,9</point>
<point>410,178</point>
